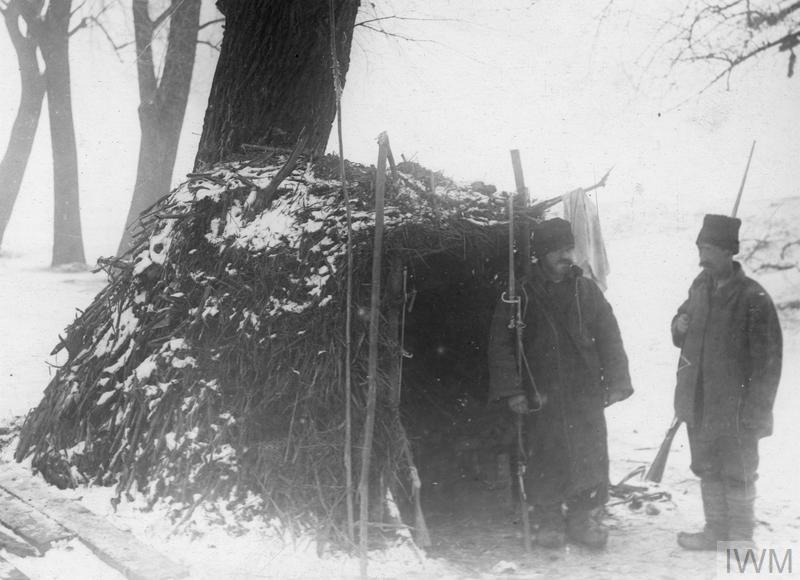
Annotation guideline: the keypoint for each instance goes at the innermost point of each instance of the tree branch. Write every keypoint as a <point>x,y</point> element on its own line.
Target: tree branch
<point>159,20</point>
<point>395,34</point>
<point>107,34</point>
<point>18,39</point>
<point>209,43</point>
<point>77,8</point>
<point>210,23</point>
<point>406,19</point>
<point>733,62</point>
<point>82,24</point>
<point>773,18</point>
<point>93,19</point>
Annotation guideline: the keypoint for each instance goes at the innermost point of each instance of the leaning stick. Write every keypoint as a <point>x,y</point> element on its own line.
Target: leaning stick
<point>348,381</point>
<point>268,193</point>
<point>372,365</point>
<point>537,208</point>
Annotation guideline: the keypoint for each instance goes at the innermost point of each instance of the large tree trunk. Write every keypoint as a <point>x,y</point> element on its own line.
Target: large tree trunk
<point>20,143</point>
<point>67,236</point>
<point>162,104</point>
<point>273,77</point>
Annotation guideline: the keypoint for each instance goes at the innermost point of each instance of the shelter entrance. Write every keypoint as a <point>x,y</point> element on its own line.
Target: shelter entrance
<point>462,443</point>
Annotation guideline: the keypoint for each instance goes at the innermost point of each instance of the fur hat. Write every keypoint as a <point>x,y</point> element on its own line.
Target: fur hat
<point>721,231</point>
<point>550,235</point>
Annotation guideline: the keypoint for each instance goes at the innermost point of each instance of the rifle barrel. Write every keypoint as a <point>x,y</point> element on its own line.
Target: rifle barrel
<point>744,179</point>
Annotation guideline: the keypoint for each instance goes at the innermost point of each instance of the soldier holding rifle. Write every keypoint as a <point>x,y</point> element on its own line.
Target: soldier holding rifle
<point>729,369</point>
<point>572,352</point>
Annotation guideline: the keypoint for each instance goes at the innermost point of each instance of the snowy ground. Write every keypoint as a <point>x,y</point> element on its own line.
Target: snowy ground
<point>651,248</point>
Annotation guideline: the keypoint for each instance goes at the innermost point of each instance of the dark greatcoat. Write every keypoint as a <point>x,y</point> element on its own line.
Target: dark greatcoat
<point>731,354</point>
<point>572,343</point>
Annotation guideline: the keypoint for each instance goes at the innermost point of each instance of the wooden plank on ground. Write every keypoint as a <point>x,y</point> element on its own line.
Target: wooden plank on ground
<point>29,523</point>
<point>9,572</point>
<point>119,549</point>
<point>15,545</point>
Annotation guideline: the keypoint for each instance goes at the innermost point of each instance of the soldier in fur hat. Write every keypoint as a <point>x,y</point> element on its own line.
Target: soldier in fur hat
<point>572,343</point>
<point>728,373</point>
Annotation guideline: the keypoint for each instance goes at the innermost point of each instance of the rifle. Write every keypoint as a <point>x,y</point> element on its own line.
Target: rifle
<point>656,470</point>
<point>516,323</point>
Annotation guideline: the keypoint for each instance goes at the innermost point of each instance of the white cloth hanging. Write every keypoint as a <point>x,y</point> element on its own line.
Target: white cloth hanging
<point>590,250</point>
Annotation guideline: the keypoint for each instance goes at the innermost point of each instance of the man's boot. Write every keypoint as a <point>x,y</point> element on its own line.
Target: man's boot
<point>741,499</point>
<point>715,508</point>
<point>551,526</point>
<point>582,528</point>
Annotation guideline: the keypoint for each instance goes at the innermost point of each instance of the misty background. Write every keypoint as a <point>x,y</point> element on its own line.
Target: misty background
<point>456,84</point>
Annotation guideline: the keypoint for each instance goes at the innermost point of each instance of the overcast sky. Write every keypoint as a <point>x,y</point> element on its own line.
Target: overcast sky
<point>564,84</point>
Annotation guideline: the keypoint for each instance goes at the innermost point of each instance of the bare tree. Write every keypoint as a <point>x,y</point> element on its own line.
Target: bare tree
<point>162,100</point>
<point>726,34</point>
<point>52,30</point>
<point>273,77</point>
<point>23,132</point>
<point>49,33</point>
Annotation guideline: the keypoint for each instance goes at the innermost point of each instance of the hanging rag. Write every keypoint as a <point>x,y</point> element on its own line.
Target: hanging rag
<point>590,251</point>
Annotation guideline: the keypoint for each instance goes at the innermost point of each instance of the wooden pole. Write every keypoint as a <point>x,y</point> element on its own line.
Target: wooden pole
<point>395,320</point>
<point>348,389</point>
<point>372,365</point>
<point>538,208</point>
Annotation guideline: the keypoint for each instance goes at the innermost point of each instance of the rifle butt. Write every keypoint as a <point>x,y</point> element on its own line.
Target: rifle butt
<point>656,471</point>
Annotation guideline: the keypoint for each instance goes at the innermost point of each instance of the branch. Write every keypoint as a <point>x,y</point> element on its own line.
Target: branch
<point>265,196</point>
<point>209,43</point>
<point>18,40</point>
<point>732,62</point>
<point>95,19</point>
<point>30,14</point>
<point>77,8</point>
<point>771,19</point>
<point>538,208</point>
<point>81,24</point>
<point>159,20</point>
<point>406,19</point>
<point>787,246</point>
<point>395,34</point>
<point>210,23</point>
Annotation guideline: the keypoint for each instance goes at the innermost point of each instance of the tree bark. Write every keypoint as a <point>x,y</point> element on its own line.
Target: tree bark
<point>162,104</point>
<point>54,43</point>
<point>23,132</point>
<point>273,77</point>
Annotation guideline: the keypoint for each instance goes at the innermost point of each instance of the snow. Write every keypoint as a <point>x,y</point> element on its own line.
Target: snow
<point>651,248</point>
